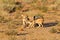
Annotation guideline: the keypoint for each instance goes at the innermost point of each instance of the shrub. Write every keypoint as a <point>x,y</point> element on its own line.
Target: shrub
<point>30,1</point>
<point>53,30</point>
<point>11,26</point>
<point>12,38</point>
<point>43,8</point>
<point>11,32</point>
<point>58,24</point>
<point>11,6</point>
<point>14,24</point>
<point>4,20</point>
<point>8,5</point>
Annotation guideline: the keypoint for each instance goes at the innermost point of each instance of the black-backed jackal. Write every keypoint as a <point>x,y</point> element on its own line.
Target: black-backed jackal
<point>39,21</point>
<point>26,21</point>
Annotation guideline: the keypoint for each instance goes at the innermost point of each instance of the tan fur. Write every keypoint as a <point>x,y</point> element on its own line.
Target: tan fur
<point>39,22</point>
<point>25,20</point>
<point>30,23</point>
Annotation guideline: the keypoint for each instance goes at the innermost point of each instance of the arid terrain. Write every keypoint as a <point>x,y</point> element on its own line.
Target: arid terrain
<point>11,27</point>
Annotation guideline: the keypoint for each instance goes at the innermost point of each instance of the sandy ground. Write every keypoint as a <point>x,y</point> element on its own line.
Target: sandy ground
<point>51,20</point>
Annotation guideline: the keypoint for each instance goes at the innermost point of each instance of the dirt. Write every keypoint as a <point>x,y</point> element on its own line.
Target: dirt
<point>11,27</point>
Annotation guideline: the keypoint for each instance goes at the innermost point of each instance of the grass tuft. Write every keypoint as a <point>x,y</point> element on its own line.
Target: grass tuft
<point>53,30</point>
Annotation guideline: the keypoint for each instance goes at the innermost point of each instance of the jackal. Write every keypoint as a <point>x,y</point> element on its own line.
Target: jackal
<point>38,21</point>
<point>26,21</point>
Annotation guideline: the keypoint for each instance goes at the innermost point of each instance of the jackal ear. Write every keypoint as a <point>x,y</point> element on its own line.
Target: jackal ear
<point>33,17</point>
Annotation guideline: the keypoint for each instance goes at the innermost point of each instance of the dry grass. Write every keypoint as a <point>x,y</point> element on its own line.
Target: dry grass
<point>53,30</point>
<point>11,21</point>
<point>11,32</point>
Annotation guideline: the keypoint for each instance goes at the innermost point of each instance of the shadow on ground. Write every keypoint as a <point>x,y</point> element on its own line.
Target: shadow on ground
<point>50,24</point>
<point>22,34</point>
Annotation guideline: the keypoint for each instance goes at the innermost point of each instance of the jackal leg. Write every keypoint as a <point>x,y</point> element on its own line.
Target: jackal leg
<point>40,25</point>
<point>24,24</point>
